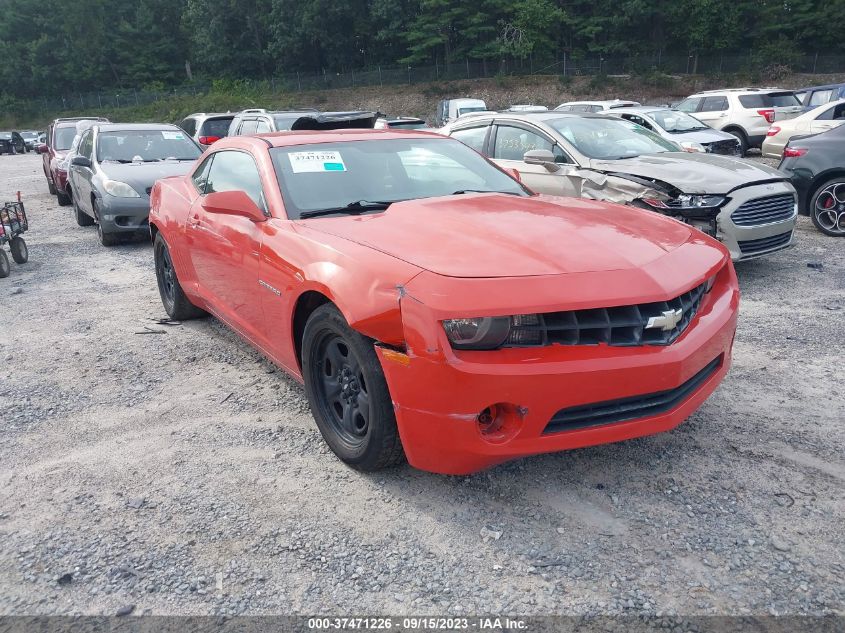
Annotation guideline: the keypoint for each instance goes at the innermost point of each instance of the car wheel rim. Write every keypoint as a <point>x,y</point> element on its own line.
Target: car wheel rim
<point>166,275</point>
<point>343,390</point>
<point>830,208</point>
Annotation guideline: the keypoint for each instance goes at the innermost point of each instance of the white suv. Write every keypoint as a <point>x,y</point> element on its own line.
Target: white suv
<point>744,112</point>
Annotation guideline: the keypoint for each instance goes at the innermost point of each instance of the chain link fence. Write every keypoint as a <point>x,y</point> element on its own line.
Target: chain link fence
<point>397,75</point>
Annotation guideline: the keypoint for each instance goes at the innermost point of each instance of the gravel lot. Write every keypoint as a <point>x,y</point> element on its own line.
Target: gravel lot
<point>181,473</point>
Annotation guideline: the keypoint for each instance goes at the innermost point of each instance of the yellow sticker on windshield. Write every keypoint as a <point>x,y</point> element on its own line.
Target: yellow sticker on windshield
<point>312,162</point>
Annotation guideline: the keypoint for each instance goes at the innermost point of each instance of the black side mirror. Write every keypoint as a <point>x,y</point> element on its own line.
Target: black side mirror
<point>81,161</point>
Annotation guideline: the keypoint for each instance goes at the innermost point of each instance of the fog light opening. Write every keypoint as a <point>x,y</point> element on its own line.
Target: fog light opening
<point>500,422</point>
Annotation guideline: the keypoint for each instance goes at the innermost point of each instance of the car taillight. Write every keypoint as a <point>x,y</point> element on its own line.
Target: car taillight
<point>773,130</point>
<point>768,114</point>
<point>794,152</point>
<point>208,140</point>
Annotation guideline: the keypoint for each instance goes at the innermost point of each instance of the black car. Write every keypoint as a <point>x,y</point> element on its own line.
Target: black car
<point>816,166</point>
<point>12,143</point>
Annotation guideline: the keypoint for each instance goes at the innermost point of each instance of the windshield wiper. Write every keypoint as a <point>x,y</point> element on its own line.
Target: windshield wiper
<point>122,161</point>
<point>353,208</point>
<point>463,191</point>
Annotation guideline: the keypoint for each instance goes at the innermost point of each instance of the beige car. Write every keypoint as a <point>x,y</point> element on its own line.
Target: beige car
<point>821,119</point>
<point>749,206</point>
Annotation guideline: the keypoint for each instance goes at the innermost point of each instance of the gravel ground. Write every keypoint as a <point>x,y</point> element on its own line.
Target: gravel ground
<point>180,473</point>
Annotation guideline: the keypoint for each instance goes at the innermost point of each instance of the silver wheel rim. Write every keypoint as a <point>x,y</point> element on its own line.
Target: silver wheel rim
<point>830,208</point>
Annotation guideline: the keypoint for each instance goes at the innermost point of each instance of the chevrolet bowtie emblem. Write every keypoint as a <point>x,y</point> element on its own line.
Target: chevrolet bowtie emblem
<point>666,321</point>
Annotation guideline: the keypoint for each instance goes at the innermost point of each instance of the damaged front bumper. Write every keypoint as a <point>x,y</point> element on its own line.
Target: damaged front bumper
<point>443,398</point>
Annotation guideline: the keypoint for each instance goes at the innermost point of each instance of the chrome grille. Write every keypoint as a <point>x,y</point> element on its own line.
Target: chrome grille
<point>764,210</point>
<point>753,247</point>
<point>618,325</point>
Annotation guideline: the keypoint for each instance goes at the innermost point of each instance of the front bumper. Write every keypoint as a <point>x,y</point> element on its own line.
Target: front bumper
<point>748,242</point>
<point>124,215</point>
<point>438,393</point>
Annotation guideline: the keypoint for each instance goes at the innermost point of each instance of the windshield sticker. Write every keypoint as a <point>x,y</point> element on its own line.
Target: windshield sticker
<point>172,136</point>
<point>310,162</point>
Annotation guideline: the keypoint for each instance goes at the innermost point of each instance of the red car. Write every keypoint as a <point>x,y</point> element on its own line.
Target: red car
<point>60,135</point>
<point>433,307</point>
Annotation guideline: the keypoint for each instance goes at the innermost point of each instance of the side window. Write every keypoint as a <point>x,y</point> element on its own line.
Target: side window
<point>262,127</point>
<point>248,126</point>
<point>86,144</point>
<point>715,104</point>
<point>189,125</point>
<point>473,136</point>
<point>633,118</point>
<point>561,156</point>
<point>513,142</point>
<point>236,171</point>
<point>564,108</point>
<point>820,97</point>
<point>689,105</point>
<point>595,108</point>
<point>839,112</point>
<point>200,176</point>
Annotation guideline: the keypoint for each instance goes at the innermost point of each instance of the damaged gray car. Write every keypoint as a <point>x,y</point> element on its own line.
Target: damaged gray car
<point>750,207</point>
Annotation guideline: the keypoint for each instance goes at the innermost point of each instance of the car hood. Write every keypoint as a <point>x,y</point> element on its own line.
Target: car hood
<point>700,136</point>
<point>141,176</point>
<point>499,235</point>
<point>692,172</point>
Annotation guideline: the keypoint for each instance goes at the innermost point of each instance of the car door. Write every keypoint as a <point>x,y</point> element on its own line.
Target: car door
<point>830,118</point>
<point>224,248</point>
<point>713,111</point>
<point>509,143</point>
<point>80,176</point>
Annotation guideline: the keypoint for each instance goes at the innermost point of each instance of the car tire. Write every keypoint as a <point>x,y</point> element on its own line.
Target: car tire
<point>348,393</point>
<point>827,207</point>
<point>176,303</point>
<point>106,239</point>
<point>5,266</point>
<point>741,137</point>
<point>82,218</point>
<point>50,186</point>
<point>20,252</point>
<point>63,199</point>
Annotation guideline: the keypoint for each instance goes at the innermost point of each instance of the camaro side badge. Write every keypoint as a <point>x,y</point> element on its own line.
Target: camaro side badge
<point>666,321</point>
<point>276,292</point>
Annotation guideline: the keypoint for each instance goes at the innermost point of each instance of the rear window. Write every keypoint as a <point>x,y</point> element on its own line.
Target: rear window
<point>63,137</point>
<point>285,122</point>
<point>215,127</point>
<point>769,100</point>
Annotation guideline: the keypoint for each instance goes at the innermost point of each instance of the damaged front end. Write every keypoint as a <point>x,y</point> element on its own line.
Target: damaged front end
<point>696,210</point>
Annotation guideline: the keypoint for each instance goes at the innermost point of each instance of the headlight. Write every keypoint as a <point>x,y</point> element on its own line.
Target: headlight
<point>691,146</point>
<point>492,332</point>
<point>686,202</point>
<point>477,333</point>
<point>119,189</point>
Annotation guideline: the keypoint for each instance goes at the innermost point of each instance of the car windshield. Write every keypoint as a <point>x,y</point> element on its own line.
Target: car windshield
<point>6,135</point>
<point>126,146</point>
<point>471,109</point>
<point>675,122</point>
<point>358,176</point>
<point>610,139</point>
<point>63,137</point>
<point>216,127</point>
<point>29,135</point>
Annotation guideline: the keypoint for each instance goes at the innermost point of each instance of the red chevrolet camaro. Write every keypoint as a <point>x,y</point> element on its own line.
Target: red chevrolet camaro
<point>433,307</point>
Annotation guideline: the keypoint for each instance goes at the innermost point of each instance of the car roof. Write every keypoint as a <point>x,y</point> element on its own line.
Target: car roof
<point>738,91</point>
<point>549,115</point>
<point>644,109</point>
<point>308,137</point>
<point>211,115</point>
<point>598,102</point>
<point>129,127</point>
